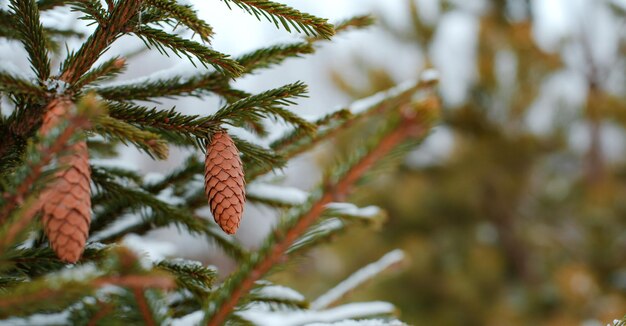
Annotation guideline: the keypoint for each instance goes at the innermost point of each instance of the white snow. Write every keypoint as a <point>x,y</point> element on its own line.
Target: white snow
<point>193,318</point>
<point>150,249</point>
<point>153,177</point>
<point>429,75</point>
<point>74,273</point>
<point>363,322</point>
<point>325,227</point>
<point>279,292</point>
<point>365,104</point>
<point>285,195</point>
<point>353,210</point>
<point>60,318</point>
<point>184,69</point>
<point>167,196</point>
<point>122,223</point>
<point>359,277</point>
<point>296,318</point>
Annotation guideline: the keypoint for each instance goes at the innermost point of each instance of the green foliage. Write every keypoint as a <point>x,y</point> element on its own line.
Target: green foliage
<point>28,24</point>
<point>112,285</point>
<point>282,15</point>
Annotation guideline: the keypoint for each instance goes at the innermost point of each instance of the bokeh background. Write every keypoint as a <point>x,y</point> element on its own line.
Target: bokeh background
<point>512,212</point>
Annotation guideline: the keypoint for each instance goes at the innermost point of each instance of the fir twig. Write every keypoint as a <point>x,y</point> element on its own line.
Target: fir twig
<point>185,15</point>
<point>285,16</point>
<point>32,35</point>
<point>161,40</point>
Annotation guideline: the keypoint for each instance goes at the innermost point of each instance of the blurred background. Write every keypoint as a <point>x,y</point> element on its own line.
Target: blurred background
<point>512,212</point>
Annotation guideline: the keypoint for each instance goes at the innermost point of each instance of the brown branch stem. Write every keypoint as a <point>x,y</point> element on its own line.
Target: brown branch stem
<point>143,307</point>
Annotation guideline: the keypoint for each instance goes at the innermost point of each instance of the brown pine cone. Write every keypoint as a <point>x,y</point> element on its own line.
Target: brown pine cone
<point>67,205</point>
<point>224,184</point>
<point>66,202</point>
<point>55,111</point>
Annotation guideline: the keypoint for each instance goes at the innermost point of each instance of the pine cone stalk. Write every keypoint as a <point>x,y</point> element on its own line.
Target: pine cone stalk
<point>224,182</point>
<point>66,202</point>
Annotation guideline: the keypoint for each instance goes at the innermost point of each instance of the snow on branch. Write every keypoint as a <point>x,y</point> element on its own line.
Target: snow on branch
<point>351,210</point>
<point>361,276</point>
<point>263,317</point>
<point>363,322</point>
<point>277,194</point>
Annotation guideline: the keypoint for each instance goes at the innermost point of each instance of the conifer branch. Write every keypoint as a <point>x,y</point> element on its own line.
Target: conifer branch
<point>19,86</point>
<point>147,141</point>
<point>192,276</point>
<point>274,249</point>
<point>185,15</point>
<point>267,103</point>
<point>78,63</point>
<point>105,71</point>
<point>196,86</point>
<point>50,4</point>
<point>144,308</point>
<point>161,41</point>
<point>266,57</point>
<point>283,15</point>
<point>203,84</point>
<point>163,119</point>
<point>32,36</point>
<point>92,9</point>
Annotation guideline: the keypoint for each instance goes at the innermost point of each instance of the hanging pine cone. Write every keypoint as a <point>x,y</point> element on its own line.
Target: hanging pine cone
<point>66,202</point>
<point>224,182</point>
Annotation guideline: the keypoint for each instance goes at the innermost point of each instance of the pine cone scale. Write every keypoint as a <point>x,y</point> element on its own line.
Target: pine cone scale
<point>224,182</point>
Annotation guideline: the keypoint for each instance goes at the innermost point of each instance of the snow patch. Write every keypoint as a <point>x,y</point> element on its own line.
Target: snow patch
<point>61,318</point>
<point>287,195</point>
<point>359,277</point>
<point>279,292</point>
<point>150,249</point>
<point>367,103</point>
<point>364,322</point>
<point>353,210</point>
<point>294,318</point>
<point>193,318</point>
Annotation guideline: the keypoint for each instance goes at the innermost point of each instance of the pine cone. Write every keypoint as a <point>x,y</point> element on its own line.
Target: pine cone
<point>224,182</point>
<point>66,202</point>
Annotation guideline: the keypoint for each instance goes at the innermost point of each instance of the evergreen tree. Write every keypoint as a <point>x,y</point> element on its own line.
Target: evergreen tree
<point>62,217</point>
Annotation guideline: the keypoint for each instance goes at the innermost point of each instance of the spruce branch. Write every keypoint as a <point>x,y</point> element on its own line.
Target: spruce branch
<point>161,41</point>
<point>190,275</point>
<point>268,103</point>
<point>149,142</point>
<point>196,86</point>
<point>141,116</point>
<point>185,15</point>
<point>118,18</point>
<point>283,15</point>
<point>413,124</point>
<point>50,4</point>
<point>16,85</point>
<point>104,71</point>
<point>92,9</point>
<point>207,83</point>
<point>32,36</point>
<point>266,57</point>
